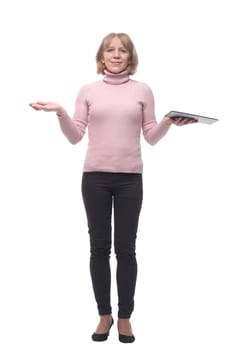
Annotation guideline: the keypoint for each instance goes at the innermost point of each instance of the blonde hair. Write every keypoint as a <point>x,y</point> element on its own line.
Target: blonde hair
<point>127,43</point>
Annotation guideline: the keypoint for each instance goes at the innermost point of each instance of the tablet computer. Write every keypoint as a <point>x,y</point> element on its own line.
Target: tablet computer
<point>198,118</point>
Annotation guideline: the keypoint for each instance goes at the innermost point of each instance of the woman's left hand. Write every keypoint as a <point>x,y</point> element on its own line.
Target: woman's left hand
<point>179,121</point>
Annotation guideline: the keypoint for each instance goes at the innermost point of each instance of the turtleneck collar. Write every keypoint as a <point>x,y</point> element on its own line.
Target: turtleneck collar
<point>116,79</point>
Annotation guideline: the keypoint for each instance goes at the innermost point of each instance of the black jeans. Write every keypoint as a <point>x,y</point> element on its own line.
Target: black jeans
<point>123,191</point>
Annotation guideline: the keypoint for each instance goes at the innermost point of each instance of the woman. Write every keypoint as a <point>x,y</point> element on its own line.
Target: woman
<point>115,110</point>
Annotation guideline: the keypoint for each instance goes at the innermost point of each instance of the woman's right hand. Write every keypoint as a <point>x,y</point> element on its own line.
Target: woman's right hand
<point>47,107</point>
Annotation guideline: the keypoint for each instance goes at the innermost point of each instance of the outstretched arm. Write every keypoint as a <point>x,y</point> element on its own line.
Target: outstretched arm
<point>73,129</point>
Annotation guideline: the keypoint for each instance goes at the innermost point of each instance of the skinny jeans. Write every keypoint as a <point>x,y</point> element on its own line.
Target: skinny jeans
<point>105,193</point>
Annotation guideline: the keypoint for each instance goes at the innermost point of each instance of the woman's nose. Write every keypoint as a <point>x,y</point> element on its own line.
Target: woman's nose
<point>116,54</point>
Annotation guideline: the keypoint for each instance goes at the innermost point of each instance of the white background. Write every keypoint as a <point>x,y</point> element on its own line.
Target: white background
<point>184,290</point>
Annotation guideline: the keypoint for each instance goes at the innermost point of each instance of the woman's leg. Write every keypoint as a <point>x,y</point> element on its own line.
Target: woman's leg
<point>97,199</point>
<point>128,193</point>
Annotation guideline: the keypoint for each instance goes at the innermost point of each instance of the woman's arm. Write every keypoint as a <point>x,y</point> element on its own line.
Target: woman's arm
<point>152,130</point>
<point>74,129</point>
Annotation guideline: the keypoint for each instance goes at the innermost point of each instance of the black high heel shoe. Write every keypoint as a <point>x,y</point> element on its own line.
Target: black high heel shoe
<point>126,338</point>
<point>102,336</point>
<point>123,338</point>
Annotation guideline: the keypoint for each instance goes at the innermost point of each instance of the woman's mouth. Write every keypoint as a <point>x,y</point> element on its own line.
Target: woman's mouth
<point>116,63</point>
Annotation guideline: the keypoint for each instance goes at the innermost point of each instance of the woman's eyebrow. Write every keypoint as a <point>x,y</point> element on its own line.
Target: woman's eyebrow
<point>113,47</point>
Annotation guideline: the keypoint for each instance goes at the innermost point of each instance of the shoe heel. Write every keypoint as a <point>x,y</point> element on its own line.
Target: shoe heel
<point>102,336</point>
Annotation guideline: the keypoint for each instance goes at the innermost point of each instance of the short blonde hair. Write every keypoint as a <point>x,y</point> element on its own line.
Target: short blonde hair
<point>127,43</point>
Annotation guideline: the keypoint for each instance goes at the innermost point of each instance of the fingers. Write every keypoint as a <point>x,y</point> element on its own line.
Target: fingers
<point>34,106</point>
<point>45,106</point>
<point>39,103</point>
<point>42,103</point>
<point>184,121</point>
<point>189,121</point>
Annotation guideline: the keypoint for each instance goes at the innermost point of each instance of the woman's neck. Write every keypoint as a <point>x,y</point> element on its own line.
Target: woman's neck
<point>116,78</point>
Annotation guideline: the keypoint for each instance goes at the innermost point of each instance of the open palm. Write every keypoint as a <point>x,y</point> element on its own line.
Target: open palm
<point>46,106</point>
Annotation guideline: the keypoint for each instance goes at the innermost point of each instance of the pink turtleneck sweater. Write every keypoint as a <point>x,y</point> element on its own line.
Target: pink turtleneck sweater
<point>115,109</point>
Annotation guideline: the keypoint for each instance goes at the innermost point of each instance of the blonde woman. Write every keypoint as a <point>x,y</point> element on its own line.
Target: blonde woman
<point>115,110</point>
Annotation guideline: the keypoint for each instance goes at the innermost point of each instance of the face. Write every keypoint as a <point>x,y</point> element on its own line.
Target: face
<point>116,56</point>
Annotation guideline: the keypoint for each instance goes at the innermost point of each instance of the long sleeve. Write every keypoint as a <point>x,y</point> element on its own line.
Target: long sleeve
<point>152,130</point>
<point>74,129</point>
<point>116,111</point>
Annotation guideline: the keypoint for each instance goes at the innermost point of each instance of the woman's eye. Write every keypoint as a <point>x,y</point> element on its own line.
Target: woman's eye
<point>121,50</point>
